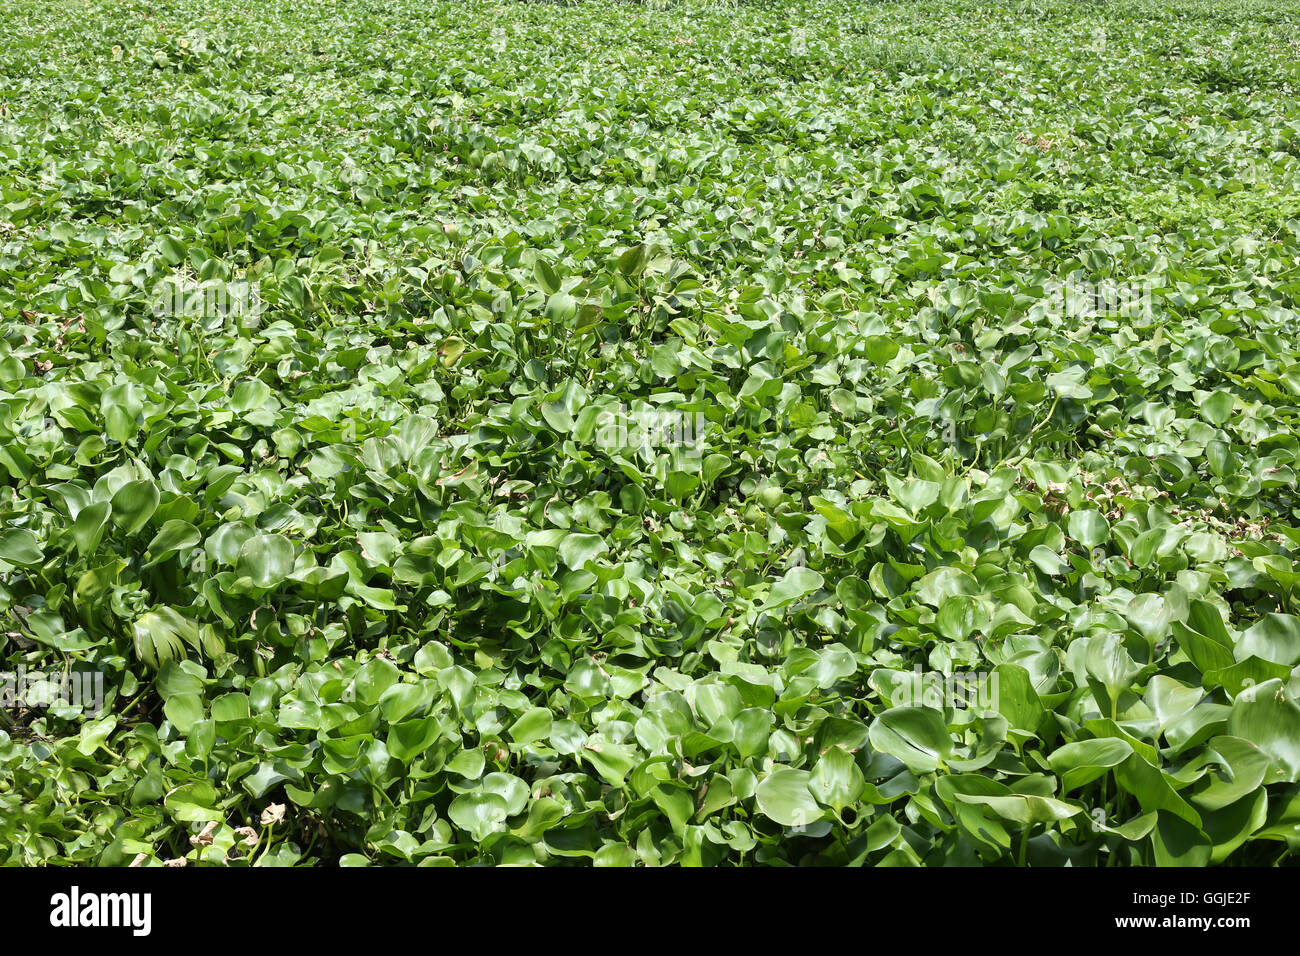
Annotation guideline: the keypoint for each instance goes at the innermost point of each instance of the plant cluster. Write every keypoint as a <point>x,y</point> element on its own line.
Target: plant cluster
<point>312,317</point>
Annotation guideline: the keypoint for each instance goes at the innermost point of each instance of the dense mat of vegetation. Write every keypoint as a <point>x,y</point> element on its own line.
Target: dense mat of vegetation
<point>314,317</point>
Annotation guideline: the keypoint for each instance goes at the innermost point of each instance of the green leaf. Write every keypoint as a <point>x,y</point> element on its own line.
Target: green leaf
<point>479,814</point>
<point>1083,761</point>
<point>88,528</point>
<point>265,558</point>
<point>784,796</point>
<point>409,739</point>
<point>577,549</point>
<point>1088,527</point>
<point>175,535</point>
<point>184,711</point>
<point>1274,637</point>
<point>632,262</point>
<point>533,724</point>
<point>1025,808</point>
<point>20,547</point>
<point>836,781</point>
<point>1266,718</point>
<point>915,735</point>
<point>794,584</point>
<point>134,504</point>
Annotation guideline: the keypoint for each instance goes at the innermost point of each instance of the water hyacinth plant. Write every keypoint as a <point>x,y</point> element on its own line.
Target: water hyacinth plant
<point>678,433</point>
